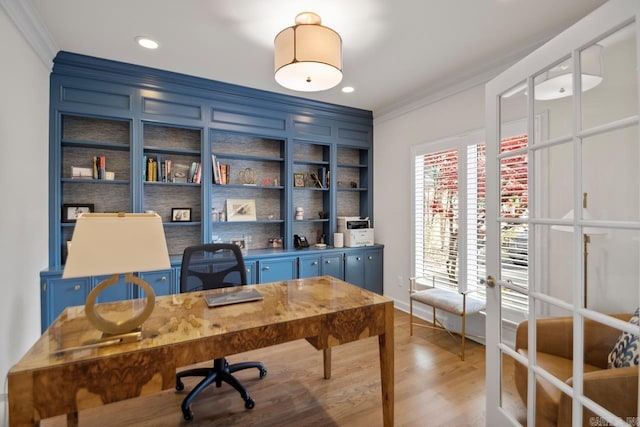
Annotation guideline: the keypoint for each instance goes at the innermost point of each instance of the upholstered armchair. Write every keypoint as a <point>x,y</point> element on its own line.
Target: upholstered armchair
<point>615,389</point>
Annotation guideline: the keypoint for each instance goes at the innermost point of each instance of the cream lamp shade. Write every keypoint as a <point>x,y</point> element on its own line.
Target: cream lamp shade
<point>308,56</point>
<point>114,244</point>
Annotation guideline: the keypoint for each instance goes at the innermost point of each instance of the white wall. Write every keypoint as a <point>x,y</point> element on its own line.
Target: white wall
<point>24,135</point>
<point>393,140</point>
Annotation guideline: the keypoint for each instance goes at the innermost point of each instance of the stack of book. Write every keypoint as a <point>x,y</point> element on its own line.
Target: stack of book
<point>99,167</point>
<point>220,171</point>
<point>195,173</point>
<point>157,169</point>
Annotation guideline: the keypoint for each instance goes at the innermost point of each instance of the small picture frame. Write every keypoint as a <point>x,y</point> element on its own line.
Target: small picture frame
<point>71,212</point>
<point>180,214</point>
<point>298,180</point>
<point>241,210</point>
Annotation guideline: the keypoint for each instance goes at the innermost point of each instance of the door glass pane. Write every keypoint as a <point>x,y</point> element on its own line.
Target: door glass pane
<point>616,94</point>
<point>513,113</point>
<point>555,256</point>
<point>554,174</point>
<point>510,398</point>
<point>611,175</point>
<point>553,98</point>
<point>609,380</point>
<point>611,269</point>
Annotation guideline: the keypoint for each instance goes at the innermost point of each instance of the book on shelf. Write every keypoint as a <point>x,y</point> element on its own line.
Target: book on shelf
<point>144,168</point>
<point>198,174</point>
<point>168,177</point>
<point>158,170</point>
<point>195,172</point>
<point>102,166</point>
<point>322,177</point>
<point>224,174</point>
<point>216,169</point>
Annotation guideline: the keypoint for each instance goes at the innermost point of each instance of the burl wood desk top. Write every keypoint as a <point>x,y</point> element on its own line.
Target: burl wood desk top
<point>51,379</point>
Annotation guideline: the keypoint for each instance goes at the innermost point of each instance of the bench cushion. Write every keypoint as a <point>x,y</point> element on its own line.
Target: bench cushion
<point>446,300</point>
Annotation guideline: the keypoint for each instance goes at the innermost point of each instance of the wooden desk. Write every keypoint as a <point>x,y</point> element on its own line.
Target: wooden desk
<point>182,331</point>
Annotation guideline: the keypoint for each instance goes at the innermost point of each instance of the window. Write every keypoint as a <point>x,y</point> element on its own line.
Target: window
<point>449,221</point>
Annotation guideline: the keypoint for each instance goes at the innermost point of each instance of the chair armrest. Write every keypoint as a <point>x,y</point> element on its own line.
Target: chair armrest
<point>555,336</point>
<point>614,389</point>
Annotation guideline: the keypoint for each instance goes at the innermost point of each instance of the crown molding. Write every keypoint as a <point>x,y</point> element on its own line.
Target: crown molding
<point>26,18</point>
<point>457,83</point>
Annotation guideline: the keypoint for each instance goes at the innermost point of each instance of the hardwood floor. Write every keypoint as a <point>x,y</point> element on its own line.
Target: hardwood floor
<point>432,388</point>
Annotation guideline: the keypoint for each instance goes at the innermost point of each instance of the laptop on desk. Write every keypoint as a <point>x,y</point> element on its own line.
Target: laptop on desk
<point>232,297</point>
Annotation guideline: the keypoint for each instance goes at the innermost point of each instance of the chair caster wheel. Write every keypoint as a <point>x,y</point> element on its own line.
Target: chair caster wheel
<point>187,414</point>
<point>249,403</point>
<point>179,386</point>
<point>263,373</point>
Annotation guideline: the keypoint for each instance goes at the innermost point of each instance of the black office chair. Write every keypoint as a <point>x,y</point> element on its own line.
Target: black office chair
<point>213,266</point>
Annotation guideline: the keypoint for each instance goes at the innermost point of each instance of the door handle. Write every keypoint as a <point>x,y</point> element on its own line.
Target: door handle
<point>489,281</point>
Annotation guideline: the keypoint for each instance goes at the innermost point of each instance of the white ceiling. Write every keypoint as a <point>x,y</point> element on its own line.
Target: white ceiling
<point>393,52</point>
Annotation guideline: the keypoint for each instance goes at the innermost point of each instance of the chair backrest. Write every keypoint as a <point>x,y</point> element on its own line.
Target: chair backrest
<point>211,266</point>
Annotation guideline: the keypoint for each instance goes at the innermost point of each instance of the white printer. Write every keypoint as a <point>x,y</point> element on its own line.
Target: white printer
<point>357,231</point>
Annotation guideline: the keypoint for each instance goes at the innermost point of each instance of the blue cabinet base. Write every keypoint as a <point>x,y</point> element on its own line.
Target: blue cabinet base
<point>359,266</point>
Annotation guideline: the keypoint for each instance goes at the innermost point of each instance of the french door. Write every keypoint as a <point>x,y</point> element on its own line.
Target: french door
<point>582,220</point>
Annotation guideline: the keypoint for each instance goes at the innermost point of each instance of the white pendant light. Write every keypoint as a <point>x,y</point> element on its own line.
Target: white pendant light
<point>308,56</point>
<point>558,81</point>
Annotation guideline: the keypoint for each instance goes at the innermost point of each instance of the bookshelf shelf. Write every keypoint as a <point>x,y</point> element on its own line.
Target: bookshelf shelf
<point>93,144</point>
<point>94,181</point>
<point>182,224</point>
<point>248,158</point>
<point>176,151</point>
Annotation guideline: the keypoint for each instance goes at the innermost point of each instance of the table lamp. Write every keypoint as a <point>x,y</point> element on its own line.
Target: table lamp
<point>117,243</point>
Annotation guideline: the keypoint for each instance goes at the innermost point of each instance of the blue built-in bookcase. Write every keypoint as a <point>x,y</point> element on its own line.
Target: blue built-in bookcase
<point>136,115</point>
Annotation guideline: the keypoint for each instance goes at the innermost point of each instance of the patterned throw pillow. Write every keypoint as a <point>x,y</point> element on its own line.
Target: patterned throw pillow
<point>626,352</point>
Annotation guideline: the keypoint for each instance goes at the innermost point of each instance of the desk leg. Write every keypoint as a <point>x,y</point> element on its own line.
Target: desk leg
<point>72,419</point>
<point>326,357</point>
<point>385,342</point>
<point>21,401</point>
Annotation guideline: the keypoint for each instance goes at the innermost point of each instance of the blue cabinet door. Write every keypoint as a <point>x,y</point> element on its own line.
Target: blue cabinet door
<point>162,282</point>
<point>58,294</point>
<point>309,266</point>
<point>332,266</point>
<point>354,268</point>
<point>275,270</point>
<point>250,266</point>
<point>373,263</point>
<point>116,292</point>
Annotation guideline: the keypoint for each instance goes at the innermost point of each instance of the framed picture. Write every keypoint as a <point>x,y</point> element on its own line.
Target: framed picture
<point>298,180</point>
<point>180,214</point>
<point>71,212</point>
<point>241,210</point>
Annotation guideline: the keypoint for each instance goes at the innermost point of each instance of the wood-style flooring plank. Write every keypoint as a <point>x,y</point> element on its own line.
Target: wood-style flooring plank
<point>432,388</point>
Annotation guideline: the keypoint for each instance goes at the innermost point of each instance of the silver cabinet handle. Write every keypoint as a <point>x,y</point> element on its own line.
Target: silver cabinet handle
<point>76,287</point>
<point>358,258</point>
<point>163,279</point>
<point>265,268</point>
<point>314,263</point>
<point>328,261</point>
<point>370,257</point>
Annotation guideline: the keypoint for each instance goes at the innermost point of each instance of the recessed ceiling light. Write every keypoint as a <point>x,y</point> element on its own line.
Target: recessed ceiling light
<point>348,89</point>
<point>147,42</point>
